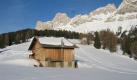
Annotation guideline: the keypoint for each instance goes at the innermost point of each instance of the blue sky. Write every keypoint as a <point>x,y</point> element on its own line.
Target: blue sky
<point>21,14</point>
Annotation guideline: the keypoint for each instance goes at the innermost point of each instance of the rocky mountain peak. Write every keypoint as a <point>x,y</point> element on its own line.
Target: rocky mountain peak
<point>127,6</point>
<point>79,19</point>
<point>110,8</point>
<point>44,25</point>
<point>102,13</point>
<point>61,18</point>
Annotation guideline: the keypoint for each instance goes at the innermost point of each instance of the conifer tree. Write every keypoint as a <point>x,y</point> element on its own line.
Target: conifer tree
<point>133,50</point>
<point>2,42</point>
<point>97,43</point>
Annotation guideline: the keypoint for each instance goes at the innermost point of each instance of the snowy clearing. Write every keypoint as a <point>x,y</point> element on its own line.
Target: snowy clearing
<point>93,65</point>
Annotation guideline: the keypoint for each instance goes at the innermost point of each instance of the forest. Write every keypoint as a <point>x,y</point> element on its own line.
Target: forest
<point>21,36</point>
<point>104,39</point>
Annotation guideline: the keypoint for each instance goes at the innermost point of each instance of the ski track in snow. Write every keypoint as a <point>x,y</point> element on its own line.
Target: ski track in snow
<point>88,58</point>
<point>100,64</point>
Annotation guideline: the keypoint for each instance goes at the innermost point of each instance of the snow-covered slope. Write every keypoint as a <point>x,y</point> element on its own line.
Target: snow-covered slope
<point>109,16</point>
<point>93,64</point>
<point>98,25</point>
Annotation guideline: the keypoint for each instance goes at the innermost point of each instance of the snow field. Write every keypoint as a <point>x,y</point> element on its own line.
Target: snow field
<point>93,64</point>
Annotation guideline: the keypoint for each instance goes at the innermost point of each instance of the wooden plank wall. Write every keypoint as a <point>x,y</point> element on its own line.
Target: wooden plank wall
<point>58,54</point>
<point>53,54</point>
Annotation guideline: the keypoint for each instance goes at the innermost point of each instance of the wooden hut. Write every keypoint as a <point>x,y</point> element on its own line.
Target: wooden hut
<point>53,52</point>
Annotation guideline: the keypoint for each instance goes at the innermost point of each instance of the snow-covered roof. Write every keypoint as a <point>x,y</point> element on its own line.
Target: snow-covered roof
<point>55,41</point>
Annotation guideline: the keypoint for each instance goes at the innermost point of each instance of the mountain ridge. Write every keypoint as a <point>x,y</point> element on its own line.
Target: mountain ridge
<point>108,14</point>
